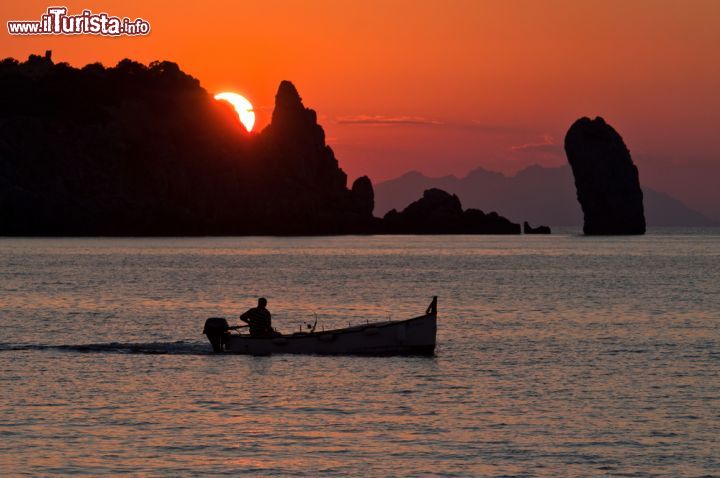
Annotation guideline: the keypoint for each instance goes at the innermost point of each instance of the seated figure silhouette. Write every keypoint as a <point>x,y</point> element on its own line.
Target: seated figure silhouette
<point>259,320</point>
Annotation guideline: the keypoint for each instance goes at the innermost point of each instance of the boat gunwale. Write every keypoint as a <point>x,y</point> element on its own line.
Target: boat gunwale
<point>346,330</point>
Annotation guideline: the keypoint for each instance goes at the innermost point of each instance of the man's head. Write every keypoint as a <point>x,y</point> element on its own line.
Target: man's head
<point>262,302</point>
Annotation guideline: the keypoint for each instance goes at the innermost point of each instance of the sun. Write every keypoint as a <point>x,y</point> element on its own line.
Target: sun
<point>242,106</point>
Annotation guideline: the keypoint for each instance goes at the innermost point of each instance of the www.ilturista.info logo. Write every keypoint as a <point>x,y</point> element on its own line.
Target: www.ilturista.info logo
<point>56,21</point>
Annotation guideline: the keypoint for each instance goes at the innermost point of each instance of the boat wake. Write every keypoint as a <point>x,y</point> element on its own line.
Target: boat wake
<point>152,348</point>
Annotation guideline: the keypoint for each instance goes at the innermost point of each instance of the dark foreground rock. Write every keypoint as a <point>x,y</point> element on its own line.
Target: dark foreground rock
<point>438,212</point>
<point>606,179</point>
<point>528,229</point>
<point>144,150</point>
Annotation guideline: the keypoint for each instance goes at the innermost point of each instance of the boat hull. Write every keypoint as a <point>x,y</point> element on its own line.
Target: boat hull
<point>415,336</point>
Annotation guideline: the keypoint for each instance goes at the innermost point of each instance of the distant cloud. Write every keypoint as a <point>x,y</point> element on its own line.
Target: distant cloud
<point>408,120</point>
<point>547,145</point>
<point>385,120</point>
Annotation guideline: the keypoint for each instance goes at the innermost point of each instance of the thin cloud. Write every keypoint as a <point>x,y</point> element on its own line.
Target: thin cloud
<point>547,145</point>
<point>407,120</point>
<point>387,120</point>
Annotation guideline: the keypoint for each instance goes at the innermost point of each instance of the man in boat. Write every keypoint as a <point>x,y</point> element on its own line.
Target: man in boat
<point>259,320</point>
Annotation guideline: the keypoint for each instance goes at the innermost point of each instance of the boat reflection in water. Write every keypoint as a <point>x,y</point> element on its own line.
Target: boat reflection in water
<point>414,336</point>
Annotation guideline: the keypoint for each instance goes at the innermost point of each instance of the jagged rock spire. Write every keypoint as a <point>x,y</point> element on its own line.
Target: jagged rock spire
<point>608,187</point>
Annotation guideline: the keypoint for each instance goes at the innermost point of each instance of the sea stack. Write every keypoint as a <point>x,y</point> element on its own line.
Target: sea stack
<point>606,179</point>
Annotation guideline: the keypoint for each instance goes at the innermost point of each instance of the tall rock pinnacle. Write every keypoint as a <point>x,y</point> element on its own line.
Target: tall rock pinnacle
<point>608,187</point>
<point>291,120</point>
<point>288,104</point>
<point>298,143</point>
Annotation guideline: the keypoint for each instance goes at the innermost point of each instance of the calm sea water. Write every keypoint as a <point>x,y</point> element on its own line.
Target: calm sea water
<point>559,355</point>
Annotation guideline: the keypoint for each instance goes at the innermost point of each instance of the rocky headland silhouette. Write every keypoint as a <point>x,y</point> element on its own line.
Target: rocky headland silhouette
<point>606,179</point>
<point>439,212</point>
<point>144,150</point>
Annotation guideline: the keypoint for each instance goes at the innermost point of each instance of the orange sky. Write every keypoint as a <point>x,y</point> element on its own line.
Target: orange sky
<point>445,86</point>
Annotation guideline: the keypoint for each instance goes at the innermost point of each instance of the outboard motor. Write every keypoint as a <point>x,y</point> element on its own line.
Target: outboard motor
<point>216,329</point>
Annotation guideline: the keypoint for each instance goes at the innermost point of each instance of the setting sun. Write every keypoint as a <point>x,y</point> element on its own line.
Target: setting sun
<point>243,107</point>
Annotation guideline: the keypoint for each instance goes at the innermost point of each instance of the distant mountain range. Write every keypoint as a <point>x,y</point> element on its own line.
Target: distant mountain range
<point>536,194</point>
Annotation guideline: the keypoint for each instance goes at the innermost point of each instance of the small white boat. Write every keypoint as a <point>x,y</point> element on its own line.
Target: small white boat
<point>414,336</point>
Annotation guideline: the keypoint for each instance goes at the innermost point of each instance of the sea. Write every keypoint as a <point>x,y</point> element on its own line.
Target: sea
<point>559,355</point>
